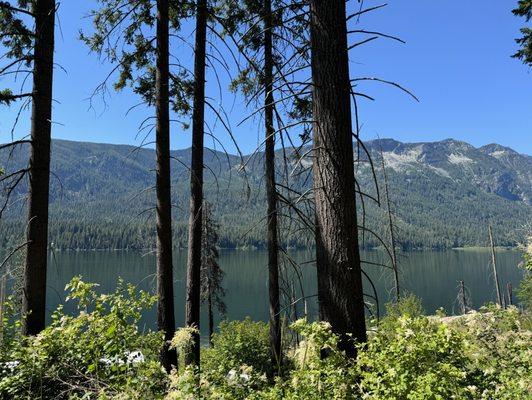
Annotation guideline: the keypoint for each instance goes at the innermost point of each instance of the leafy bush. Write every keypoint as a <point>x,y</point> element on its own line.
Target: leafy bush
<point>239,343</point>
<point>483,355</point>
<point>416,358</point>
<point>499,353</point>
<point>97,354</point>
<point>234,368</point>
<point>524,291</point>
<point>409,305</point>
<point>315,377</point>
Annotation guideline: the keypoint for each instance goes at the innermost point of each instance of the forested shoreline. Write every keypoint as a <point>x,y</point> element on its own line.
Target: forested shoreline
<point>69,237</point>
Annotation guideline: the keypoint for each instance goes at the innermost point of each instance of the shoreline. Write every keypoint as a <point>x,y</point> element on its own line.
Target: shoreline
<point>252,249</point>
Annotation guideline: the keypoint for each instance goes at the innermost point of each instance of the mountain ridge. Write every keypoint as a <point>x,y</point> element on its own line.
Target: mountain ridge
<point>488,145</point>
<point>445,192</point>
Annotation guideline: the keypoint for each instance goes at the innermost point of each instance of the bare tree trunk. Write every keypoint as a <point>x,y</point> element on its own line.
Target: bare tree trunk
<point>510,293</point>
<point>293,301</point>
<point>495,274</point>
<point>196,184</point>
<point>391,229</point>
<point>34,290</point>
<point>463,303</point>
<point>211,316</point>
<point>165,287</point>
<point>2,300</point>
<point>338,264</point>
<point>271,193</point>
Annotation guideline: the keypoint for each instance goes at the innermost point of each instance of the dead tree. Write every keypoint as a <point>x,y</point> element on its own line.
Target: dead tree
<point>390,229</point>
<point>2,301</point>
<point>462,298</point>
<point>494,265</point>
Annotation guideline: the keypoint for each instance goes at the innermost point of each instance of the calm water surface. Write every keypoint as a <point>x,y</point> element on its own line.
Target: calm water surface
<point>433,276</point>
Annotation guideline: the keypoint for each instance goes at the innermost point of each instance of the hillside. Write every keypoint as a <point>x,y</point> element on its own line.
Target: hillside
<point>445,194</point>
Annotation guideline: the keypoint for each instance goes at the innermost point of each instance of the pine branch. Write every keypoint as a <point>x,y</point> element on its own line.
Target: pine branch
<point>6,6</point>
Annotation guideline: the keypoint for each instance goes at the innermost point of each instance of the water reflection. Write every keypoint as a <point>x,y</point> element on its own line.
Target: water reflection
<point>433,276</point>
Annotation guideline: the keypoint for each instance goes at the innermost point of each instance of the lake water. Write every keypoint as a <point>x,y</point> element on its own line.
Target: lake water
<point>433,276</point>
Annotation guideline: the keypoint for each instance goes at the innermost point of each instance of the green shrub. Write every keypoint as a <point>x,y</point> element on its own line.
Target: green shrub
<point>524,292</point>
<point>234,368</point>
<point>418,359</point>
<point>315,377</point>
<point>484,355</point>
<point>409,305</point>
<point>499,353</point>
<point>239,343</point>
<point>98,353</point>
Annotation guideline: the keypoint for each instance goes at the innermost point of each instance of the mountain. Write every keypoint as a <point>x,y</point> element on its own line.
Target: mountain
<point>492,168</point>
<point>445,194</point>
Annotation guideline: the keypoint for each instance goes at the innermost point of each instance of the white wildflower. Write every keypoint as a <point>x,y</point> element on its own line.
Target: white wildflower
<point>231,375</point>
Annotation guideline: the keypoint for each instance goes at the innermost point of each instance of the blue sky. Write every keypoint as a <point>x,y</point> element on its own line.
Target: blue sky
<point>456,60</point>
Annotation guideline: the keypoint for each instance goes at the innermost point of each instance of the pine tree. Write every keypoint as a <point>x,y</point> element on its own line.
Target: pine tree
<point>165,281</point>
<point>254,24</point>
<point>32,48</point>
<point>193,296</point>
<point>340,294</point>
<point>145,67</point>
<point>524,9</point>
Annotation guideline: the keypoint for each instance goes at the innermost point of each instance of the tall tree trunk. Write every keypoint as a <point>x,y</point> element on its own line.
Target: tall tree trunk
<point>338,264</point>
<point>2,300</point>
<point>34,292</point>
<point>391,229</point>
<point>271,193</point>
<point>196,184</point>
<point>211,316</point>
<point>495,274</point>
<point>165,287</point>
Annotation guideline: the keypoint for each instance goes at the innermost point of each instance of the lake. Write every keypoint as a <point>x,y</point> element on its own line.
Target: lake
<point>433,276</point>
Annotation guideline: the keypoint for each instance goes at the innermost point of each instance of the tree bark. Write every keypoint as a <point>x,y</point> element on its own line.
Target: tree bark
<point>340,294</point>
<point>196,184</point>
<point>165,288</point>
<point>271,193</point>
<point>34,291</point>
